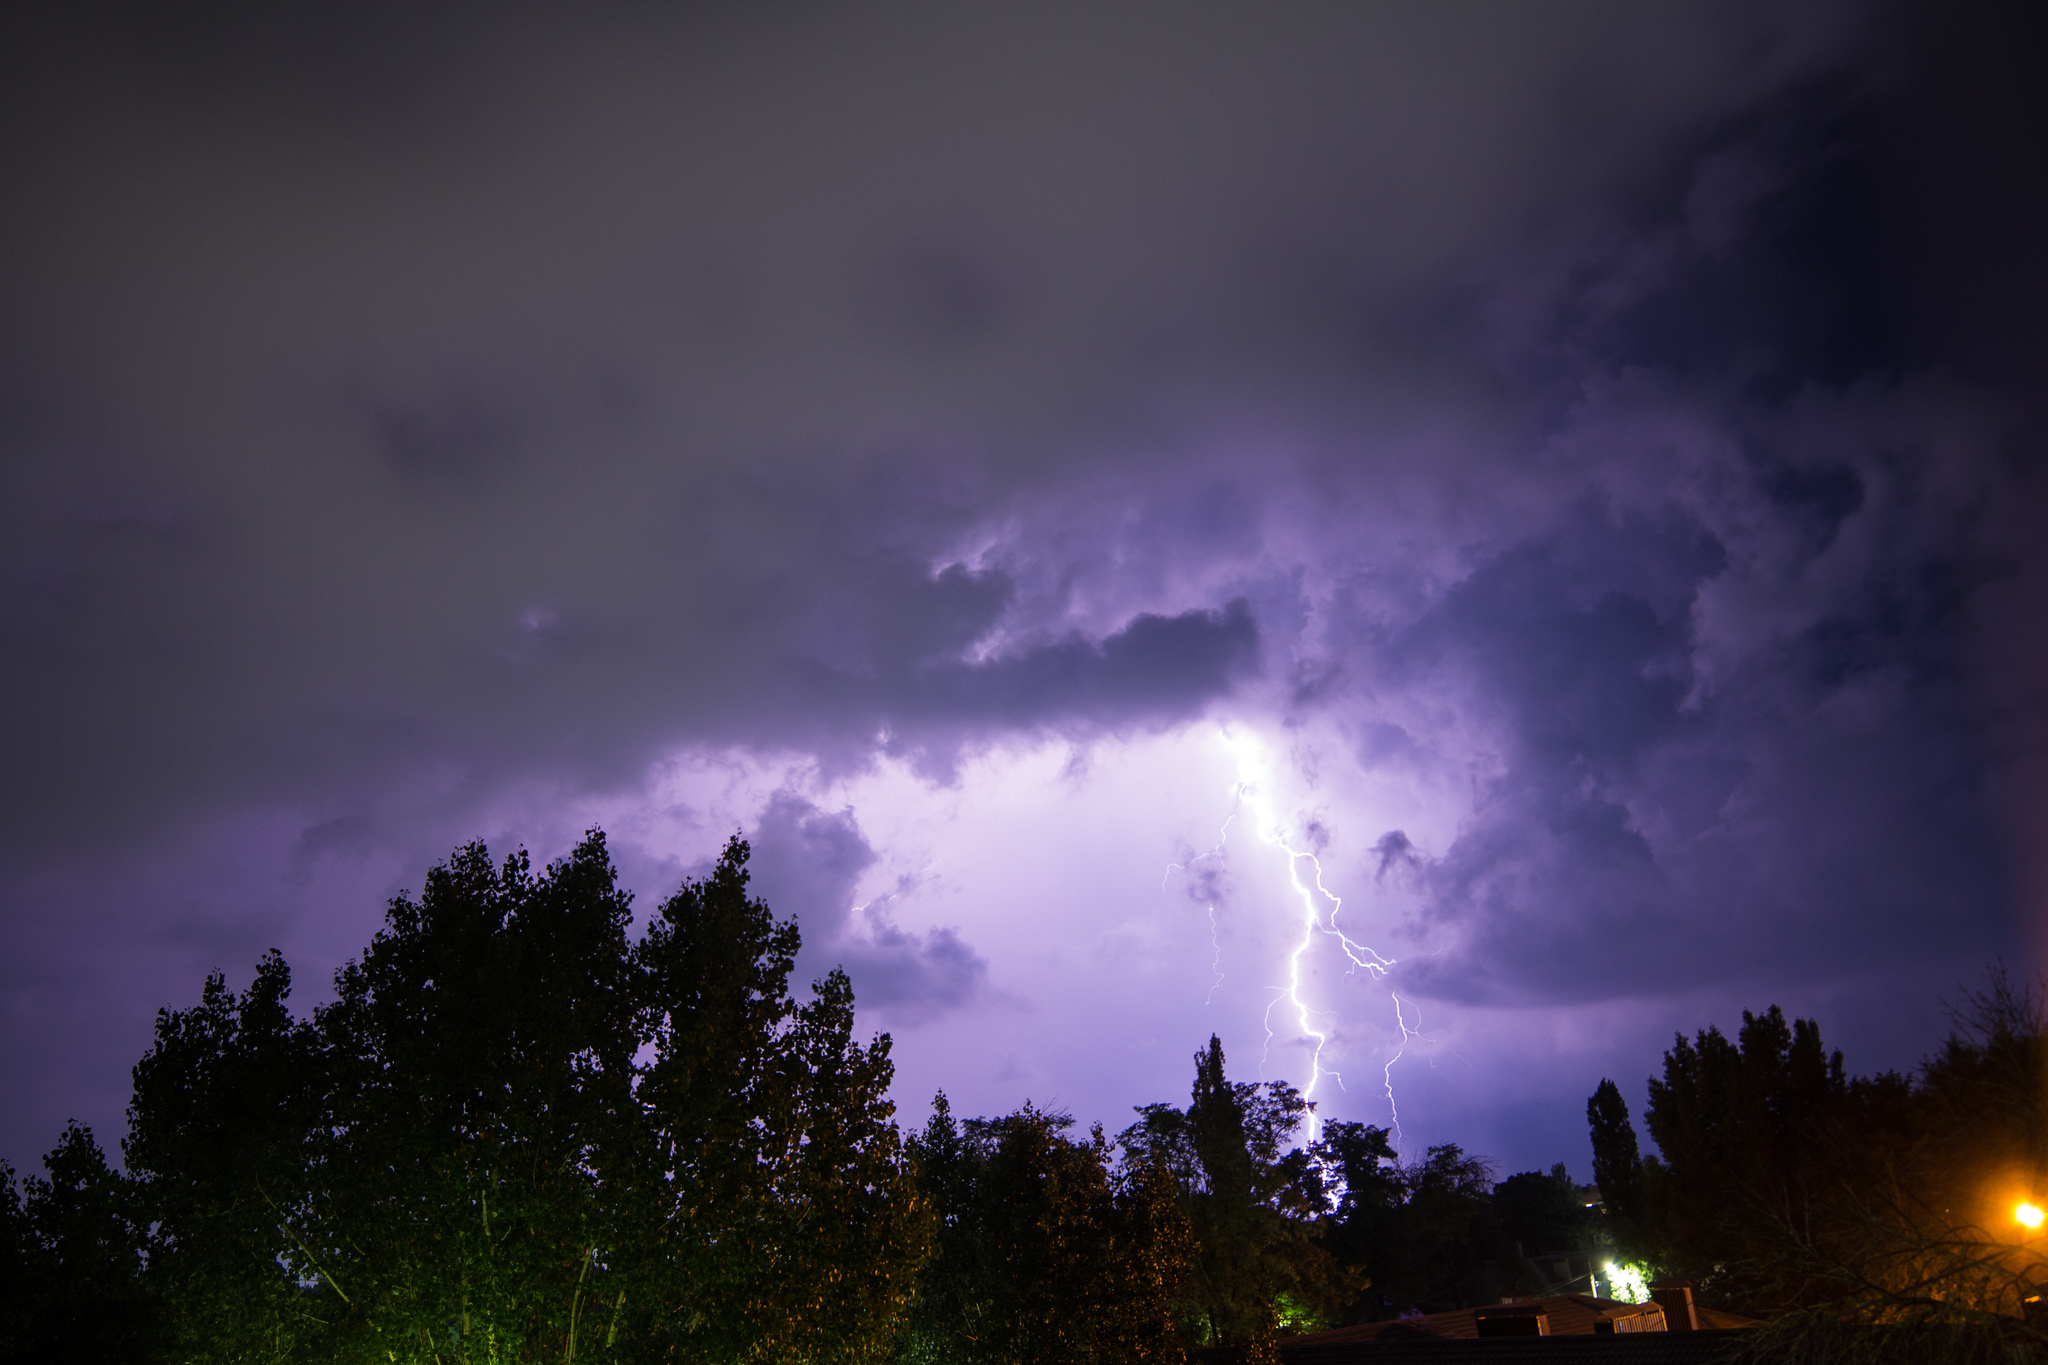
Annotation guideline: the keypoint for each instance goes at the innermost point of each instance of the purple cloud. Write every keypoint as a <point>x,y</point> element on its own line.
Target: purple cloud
<point>1574,473</point>
<point>808,863</point>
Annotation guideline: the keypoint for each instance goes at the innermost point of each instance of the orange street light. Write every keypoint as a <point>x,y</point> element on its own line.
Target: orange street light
<point>2029,1216</point>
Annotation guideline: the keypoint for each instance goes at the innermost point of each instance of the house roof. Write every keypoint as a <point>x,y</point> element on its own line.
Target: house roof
<point>1712,1347</point>
<point>1581,1328</point>
<point>1568,1315</point>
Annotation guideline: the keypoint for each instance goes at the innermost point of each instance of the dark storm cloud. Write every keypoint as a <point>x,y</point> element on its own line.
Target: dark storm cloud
<point>1161,665</point>
<point>1656,804</point>
<point>499,400</point>
<point>808,863</point>
<point>402,408</point>
<point>1393,850</point>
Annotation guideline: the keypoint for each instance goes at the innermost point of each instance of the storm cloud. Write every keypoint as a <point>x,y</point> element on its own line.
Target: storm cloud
<point>1591,455</point>
<point>807,863</point>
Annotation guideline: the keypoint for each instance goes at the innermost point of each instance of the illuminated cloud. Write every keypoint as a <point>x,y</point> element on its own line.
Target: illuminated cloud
<point>1588,453</point>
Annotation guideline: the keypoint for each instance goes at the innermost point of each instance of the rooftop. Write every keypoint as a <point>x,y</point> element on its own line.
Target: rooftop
<point>1576,1328</point>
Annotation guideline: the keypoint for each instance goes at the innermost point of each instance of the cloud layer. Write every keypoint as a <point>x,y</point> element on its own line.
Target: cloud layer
<point>1568,448</point>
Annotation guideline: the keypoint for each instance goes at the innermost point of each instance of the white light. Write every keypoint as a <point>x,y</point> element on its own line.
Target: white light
<point>1627,1283</point>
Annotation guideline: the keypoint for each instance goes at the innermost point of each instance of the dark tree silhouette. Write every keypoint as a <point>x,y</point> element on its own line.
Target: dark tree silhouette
<point>1541,1211</point>
<point>1789,1187</point>
<point>1619,1172</point>
<point>1254,1205</point>
<point>71,1262</point>
<point>219,1148</point>
<point>1045,1252</point>
<point>515,1135</point>
<point>1423,1234</point>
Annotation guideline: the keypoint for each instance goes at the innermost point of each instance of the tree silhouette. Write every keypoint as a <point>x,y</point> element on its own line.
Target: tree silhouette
<point>1789,1187</point>
<point>1620,1174</point>
<point>1253,1204</point>
<point>71,1262</point>
<point>516,1134</point>
<point>1045,1252</point>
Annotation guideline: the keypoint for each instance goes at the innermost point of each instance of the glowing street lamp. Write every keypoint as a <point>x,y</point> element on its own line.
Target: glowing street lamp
<point>2029,1216</point>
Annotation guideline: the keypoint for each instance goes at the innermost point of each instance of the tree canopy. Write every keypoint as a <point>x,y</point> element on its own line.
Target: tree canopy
<point>1786,1184</point>
<point>1422,1233</point>
<point>1048,1251</point>
<point>523,1131</point>
<point>1253,1203</point>
<point>516,1134</point>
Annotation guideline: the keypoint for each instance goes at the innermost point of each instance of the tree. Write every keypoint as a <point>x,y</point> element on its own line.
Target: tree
<point>778,1220</point>
<point>218,1146</point>
<point>1542,1211</point>
<point>1619,1173</point>
<point>517,1135</point>
<point>1253,1205</point>
<point>480,1059</point>
<point>1791,1188</point>
<point>1911,1220</point>
<point>18,1289</point>
<point>1739,1125</point>
<point>1424,1233</point>
<point>73,1262</point>
<point>1045,1254</point>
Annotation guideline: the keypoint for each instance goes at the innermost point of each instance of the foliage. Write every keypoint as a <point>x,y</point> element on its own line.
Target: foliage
<point>517,1135</point>
<point>1790,1187</point>
<point>1542,1211</point>
<point>1424,1233</point>
<point>218,1146</point>
<point>71,1248</point>
<point>520,1134</point>
<point>1252,1203</point>
<point>480,1060</point>
<point>1044,1253</point>
<point>1740,1125</point>
<point>772,1216</point>
<point>1628,1281</point>
<point>1828,1339</point>
<point>1618,1170</point>
<point>1914,1211</point>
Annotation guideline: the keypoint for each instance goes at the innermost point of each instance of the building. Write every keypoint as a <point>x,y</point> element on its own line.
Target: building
<point>1558,1329</point>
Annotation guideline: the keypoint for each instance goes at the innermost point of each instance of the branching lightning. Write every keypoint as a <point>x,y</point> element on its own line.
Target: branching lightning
<point>1316,920</point>
<point>1215,942</point>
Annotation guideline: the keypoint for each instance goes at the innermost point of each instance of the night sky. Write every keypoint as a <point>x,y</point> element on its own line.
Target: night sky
<point>1574,473</point>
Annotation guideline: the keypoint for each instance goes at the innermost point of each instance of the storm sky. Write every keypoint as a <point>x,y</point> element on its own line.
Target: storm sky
<point>1059,479</point>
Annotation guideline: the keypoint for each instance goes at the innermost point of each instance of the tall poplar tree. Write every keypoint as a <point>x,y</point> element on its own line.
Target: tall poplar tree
<point>1619,1171</point>
<point>1254,1203</point>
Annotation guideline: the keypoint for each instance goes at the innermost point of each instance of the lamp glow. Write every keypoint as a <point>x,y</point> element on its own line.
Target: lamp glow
<point>2029,1215</point>
<point>1627,1283</point>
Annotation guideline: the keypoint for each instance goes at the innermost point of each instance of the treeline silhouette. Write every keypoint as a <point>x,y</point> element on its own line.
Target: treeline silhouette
<point>1785,1187</point>
<point>519,1133</point>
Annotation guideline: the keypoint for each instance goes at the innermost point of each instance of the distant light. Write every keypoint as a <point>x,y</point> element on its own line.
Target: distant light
<point>2030,1215</point>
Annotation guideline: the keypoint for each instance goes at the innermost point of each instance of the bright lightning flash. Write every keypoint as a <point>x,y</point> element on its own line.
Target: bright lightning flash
<point>1252,766</point>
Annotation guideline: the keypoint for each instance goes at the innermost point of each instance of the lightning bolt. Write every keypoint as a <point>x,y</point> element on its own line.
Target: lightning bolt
<point>1215,958</point>
<point>1388,1073</point>
<point>1248,796</point>
<point>1215,943</point>
<point>1313,895</point>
